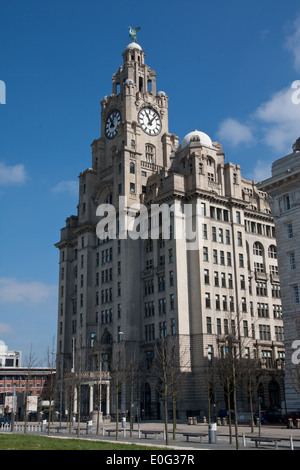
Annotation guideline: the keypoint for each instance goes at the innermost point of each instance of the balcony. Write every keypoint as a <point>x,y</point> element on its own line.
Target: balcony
<point>261,276</point>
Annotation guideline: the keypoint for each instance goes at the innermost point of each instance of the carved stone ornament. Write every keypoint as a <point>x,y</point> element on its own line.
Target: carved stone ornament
<point>296,145</point>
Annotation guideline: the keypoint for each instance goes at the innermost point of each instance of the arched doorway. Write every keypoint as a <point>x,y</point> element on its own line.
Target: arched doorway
<point>146,402</point>
<point>274,395</point>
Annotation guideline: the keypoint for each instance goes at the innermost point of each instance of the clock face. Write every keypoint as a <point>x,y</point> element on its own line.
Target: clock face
<point>112,123</point>
<point>150,121</point>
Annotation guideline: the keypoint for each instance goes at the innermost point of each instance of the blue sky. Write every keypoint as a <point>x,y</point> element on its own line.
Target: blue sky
<point>227,68</point>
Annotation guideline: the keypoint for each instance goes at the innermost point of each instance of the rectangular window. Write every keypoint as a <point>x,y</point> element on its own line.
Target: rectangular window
<point>161,306</point>
<point>296,294</point>
<point>239,239</point>
<point>206,276</point>
<point>289,228</point>
<point>245,326</point>
<point>161,283</point>
<point>208,326</point>
<point>227,237</point>
<point>292,260</point>
<point>277,311</point>
<point>264,332</point>
<point>173,329</point>
<point>286,202</point>
<point>230,281</point>
<point>219,328</point>
<point>241,260</point>
<point>279,336</point>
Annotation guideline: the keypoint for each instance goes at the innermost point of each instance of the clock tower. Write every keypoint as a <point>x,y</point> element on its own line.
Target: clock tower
<point>134,141</point>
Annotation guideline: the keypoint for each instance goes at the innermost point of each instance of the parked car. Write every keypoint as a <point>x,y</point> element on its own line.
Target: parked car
<point>269,417</point>
<point>225,413</point>
<point>4,421</point>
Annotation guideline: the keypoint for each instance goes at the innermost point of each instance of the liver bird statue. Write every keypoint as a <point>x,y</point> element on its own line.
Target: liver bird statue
<point>133,32</point>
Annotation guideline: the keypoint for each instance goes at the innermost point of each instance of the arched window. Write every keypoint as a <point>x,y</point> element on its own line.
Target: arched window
<point>258,249</point>
<point>272,251</point>
<point>109,199</point>
<point>132,167</point>
<point>106,338</point>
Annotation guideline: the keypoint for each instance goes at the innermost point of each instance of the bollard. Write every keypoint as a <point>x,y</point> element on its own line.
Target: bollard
<point>89,427</point>
<point>244,440</point>
<point>291,443</point>
<point>212,433</point>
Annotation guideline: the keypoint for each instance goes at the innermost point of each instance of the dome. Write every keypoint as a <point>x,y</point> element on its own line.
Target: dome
<point>196,135</point>
<point>133,45</point>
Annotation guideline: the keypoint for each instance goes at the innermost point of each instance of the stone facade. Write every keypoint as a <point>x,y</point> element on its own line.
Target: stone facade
<point>284,190</point>
<point>120,296</point>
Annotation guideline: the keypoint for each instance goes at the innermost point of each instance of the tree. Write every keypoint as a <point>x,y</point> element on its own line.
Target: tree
<point>118,375</point>
<point>168,367</point>
<point>31,362</point>
<point>132,373</point>
<point>51,386</point>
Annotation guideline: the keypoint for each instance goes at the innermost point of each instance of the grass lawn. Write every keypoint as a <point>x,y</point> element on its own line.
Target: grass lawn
<point>33,442</point>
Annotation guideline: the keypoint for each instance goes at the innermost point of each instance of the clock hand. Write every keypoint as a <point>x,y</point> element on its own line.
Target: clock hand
<point>151,120</point>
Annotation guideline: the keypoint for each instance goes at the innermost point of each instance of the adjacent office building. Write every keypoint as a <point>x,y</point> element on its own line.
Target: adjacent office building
<point>284,190</point>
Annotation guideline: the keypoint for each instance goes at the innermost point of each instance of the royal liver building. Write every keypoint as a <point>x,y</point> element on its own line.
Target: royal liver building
<point>171,250</point>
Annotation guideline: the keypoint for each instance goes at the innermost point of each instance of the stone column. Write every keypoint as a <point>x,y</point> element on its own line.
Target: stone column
<point>107,399</point>
<point>91,402</point>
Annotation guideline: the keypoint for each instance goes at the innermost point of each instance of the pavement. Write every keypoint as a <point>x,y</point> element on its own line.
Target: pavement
<point>218,439</point>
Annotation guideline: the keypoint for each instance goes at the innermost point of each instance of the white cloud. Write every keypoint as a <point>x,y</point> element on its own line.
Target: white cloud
<point>275,123</point>
<point>261,171</point>
<point>12,174</point>
<point>281,120</point>
<point>70,187</point>
<point>234,132</point>
<point>14,291</point>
